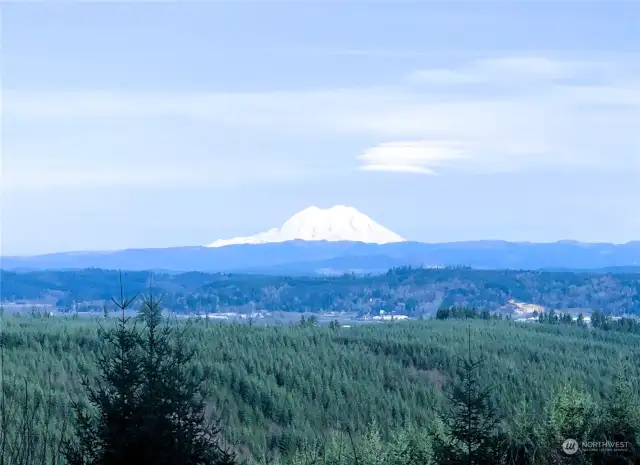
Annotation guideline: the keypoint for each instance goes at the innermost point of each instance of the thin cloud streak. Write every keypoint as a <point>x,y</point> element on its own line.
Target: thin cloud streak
<point>554,125</point>
<point>398,169</point>
<point>411,157</point>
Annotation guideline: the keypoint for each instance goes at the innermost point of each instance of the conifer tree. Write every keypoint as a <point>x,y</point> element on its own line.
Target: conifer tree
<point>525,444</point>
<point>173,419</point>
<point>146,409</point>
<point>570,414</point>
<point>622,423</point>
<point>105,430</point>
<point>471,422</point>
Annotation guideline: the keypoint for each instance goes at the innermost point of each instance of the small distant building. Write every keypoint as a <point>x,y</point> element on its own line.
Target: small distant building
<point>390,317</point>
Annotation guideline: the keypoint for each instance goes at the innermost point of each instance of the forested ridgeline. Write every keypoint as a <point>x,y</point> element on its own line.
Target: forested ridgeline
<point>368,395</point>
<point>411,291</point>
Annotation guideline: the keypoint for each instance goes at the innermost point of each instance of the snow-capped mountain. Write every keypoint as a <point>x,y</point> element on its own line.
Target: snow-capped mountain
<point>338,223</point>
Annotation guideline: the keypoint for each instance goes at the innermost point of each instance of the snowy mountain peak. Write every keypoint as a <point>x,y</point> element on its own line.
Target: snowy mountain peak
<point>338,223</point>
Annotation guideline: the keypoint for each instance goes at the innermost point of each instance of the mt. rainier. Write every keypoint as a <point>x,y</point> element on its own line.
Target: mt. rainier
<point>338,223</point>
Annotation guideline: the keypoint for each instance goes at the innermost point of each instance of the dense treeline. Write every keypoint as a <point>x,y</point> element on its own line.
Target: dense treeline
<point>405,290</point>
<point>144,406</point>
<point>282,391</point>
<point>597,319</point>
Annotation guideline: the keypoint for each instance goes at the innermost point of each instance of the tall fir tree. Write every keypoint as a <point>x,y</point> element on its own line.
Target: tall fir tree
<point>471,422</point>
<point>147,408</point>
<point>105,429</point>
<point>174,421</point>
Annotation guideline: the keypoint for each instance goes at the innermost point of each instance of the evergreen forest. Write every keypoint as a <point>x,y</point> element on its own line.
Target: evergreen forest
<point>459,389</point>
<point>411,291</point>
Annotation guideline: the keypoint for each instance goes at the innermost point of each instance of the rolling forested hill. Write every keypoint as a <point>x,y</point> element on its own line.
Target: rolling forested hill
<point>278,387</point>
<point>411,291</point>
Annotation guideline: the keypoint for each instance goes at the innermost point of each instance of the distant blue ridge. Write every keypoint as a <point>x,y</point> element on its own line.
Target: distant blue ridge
<point>320,257</point>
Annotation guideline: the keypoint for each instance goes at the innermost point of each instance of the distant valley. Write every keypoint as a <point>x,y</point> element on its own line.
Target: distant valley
<point>402,291</point>
<point>339,261</point>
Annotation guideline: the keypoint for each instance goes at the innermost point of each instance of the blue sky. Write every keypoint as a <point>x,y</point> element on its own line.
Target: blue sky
<point>178,123</point>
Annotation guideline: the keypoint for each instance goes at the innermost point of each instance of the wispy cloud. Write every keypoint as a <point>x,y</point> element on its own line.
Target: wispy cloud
<point>505,70</point>
<point>76,175</point>
<point>410,157</point>
<point>73,174</point>
<point>519,112</point>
